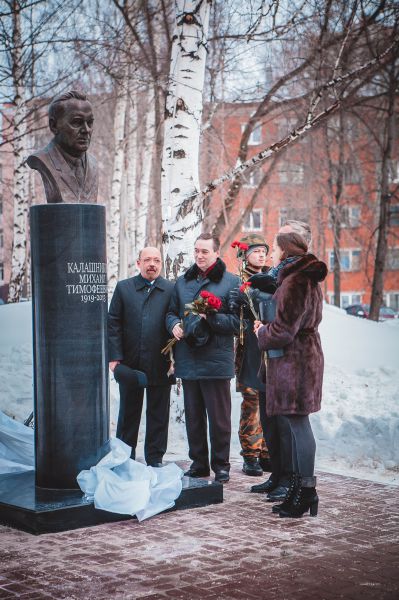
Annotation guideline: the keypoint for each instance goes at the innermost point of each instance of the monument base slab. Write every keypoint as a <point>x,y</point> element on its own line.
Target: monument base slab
<point>37,510</point>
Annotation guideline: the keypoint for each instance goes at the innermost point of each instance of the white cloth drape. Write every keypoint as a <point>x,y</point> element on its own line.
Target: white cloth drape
<point>17,452</point>
<point>121,485</point>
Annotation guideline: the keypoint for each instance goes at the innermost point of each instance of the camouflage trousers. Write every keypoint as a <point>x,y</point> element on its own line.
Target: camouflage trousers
<point>250,432</point>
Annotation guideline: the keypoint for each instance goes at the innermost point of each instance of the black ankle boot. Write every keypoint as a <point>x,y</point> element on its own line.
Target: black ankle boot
<point>305,499</point>
<point>295,483</point>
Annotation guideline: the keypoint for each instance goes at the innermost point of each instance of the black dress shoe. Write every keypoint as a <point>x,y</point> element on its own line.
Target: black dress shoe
<point>222,476</point>
<point>157,465</point>
<point>278,494</point>
<point>265,487</point>
<point>197,473</point>
<point>266,464</point>
<point>252,467</point>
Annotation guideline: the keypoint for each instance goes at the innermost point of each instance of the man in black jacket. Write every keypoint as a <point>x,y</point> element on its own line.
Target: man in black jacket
<point>136,335</point>
<point>204,358</point>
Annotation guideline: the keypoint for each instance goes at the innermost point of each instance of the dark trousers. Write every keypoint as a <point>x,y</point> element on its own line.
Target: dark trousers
<point>303,445</point>
<point>157,420</point>
<point>208,398</point>
<point>279,443</point>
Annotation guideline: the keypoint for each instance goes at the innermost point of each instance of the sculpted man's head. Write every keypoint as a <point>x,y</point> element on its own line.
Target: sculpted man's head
<point>71,121</point>
<point>206,250</point>
<point>150,263</point>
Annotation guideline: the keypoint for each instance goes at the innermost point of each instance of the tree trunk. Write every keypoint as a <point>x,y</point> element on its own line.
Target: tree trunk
<point>180,163</point>
<point>148,158</point>
<point>116,187</point>
<point>377,290</point>
<point>18,260</point>
<point>337,222</point>
<point>131,176</point>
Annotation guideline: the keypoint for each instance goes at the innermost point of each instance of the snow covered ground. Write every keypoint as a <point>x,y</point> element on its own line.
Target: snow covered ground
<point>357,430</point>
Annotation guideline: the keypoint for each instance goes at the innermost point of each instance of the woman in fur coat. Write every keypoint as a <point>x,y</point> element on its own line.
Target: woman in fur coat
<point>294,381</point>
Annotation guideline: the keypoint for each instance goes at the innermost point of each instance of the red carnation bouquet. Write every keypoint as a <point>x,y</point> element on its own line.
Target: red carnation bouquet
<point>206,304</point>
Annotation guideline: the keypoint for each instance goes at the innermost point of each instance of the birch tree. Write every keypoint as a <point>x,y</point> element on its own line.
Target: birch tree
<point>18,262</point>
<point>144,190</point>
<point>128,208</point>
<point>116,186</point>
<point>180,162</point>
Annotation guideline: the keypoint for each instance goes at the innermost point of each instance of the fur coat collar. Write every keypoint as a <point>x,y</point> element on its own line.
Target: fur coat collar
<point>215,275</point>
<point>308,265</point>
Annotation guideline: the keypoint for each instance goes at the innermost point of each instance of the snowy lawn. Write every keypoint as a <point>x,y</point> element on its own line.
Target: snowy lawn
<point>357,430</point>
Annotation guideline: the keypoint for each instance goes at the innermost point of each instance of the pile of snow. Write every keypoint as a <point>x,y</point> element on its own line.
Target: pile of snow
<point>357,430</point>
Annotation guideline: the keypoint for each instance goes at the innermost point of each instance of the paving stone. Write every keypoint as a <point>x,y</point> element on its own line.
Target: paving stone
<point>237,550</point>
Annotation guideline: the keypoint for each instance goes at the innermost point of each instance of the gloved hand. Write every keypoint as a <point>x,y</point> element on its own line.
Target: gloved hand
<point>263,282</point>
<point>235,300</point>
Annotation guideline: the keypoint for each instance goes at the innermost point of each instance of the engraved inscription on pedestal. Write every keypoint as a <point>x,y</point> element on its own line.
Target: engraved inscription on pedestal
<point>88,280</point>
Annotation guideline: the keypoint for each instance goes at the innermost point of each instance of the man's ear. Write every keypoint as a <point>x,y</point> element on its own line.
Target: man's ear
<point>53,125</point>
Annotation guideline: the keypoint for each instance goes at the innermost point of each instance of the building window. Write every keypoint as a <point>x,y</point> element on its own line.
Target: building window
<point>1,239</point>
<point>290,213</point>
<point>392,300</point>
<point>1,272</point>
<point>351,173</point>
<point>349,260</point>
<point>351,216</point>
<point>393,171</point>
<point>253,179</point>
<point>394,215</point>
<point>1,207</point>
<point>255,137</point>
<point>292,174</point>
<point>253,221</point>
<point>392,261</point>
<point>346,299</point>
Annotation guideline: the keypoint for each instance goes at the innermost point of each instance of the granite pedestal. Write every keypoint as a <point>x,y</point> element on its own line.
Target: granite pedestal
<point>36,510</point>
<point>69,291</point>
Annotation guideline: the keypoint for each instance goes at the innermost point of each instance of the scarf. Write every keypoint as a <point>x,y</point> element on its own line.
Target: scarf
<point>274,271</point>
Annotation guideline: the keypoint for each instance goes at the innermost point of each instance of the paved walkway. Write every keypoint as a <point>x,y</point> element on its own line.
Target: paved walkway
<point>235,550</point>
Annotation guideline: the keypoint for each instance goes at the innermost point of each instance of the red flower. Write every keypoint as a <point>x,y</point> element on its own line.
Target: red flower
<point>244,247</point>
<point>214,302</point>
<point>245,285</point>
<point>205,294</point>
<point>235,244</point>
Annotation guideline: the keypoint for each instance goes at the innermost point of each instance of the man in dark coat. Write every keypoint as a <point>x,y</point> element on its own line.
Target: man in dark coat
<point>204,356</point>
<point>136,335</point>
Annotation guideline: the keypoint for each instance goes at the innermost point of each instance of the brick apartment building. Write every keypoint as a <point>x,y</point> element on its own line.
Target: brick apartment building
<point>298,188</point>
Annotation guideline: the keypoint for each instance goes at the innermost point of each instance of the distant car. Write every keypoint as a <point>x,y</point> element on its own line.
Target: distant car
<point>1,301</point>
<point>363,311</point>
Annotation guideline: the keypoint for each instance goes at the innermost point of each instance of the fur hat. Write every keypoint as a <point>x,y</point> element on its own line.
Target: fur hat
<point>292,244</point>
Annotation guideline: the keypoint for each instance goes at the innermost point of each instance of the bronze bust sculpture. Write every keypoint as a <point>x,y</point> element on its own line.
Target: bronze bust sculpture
<point>68,172</point>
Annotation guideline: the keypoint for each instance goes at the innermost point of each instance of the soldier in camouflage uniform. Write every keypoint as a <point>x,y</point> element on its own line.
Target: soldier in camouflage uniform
<point>247,362</point>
